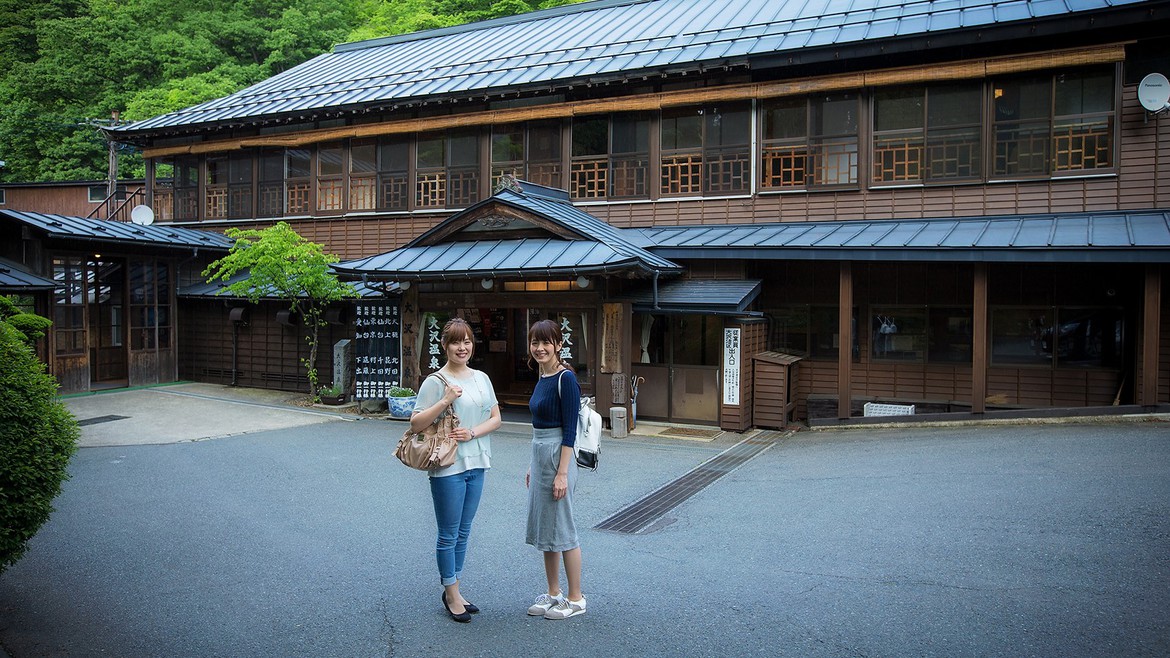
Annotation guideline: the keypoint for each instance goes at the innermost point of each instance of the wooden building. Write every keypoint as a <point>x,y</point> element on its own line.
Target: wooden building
<point>959,206</point>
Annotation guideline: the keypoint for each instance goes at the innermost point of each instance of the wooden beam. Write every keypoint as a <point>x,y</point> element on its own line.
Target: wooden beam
<point>979,341</point>
<point>1151,334</point>
<point>972,69</point>
<point>845,341</point>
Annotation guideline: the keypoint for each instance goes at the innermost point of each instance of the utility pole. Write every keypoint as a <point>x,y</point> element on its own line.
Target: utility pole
<point>112,181</point>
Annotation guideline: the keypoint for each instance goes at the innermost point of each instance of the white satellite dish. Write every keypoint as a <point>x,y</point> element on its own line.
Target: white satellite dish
<point>1154,93</point>
<point>142,215</point>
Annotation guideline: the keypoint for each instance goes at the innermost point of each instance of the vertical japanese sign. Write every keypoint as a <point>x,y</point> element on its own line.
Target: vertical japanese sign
<point>567,338</point>
<point>378,349</point>
<point>731,366</point>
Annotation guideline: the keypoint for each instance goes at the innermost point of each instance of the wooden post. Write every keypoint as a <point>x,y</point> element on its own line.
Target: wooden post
<point>1151,333</point>
<point>979,334</point>
<point>845,341</point>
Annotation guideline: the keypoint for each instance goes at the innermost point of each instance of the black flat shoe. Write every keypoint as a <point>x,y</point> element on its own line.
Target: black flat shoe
<point>462,617</point>
<point>471,608</point>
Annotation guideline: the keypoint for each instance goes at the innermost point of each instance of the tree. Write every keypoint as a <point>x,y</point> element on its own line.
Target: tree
<point>280,263</point>
<point>38,435</point>
<point>30,325</point>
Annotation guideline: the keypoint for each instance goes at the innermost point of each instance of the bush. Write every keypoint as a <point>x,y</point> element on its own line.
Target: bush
<point>38,435</point>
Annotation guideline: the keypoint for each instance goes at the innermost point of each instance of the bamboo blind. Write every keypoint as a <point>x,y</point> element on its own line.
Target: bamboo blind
<point>980,68</point>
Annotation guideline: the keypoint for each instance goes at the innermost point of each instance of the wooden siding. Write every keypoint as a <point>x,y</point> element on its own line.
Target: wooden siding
<point>64,199</point>
<point>269,353</point>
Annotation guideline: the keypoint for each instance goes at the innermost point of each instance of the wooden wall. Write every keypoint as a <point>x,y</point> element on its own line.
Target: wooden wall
<point>72,200</point>
<point>269,353</point>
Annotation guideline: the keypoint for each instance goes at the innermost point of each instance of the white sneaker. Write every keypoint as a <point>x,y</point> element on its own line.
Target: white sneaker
<point>566,609</point>
<point>544,603</point>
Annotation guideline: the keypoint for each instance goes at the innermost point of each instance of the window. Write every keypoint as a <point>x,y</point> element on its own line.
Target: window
<point>949,338</point>
<point>393,174</point>
<point>3,200</point>
<point>271,183</point>
<point>809,142</point>
<point>164,190</point>
<point>705,150</point>
<point>789,330</point>
<point>150,305</point>
<point>297,181</point>
<point>447,171</point>
<point>330,177</point>
<point>1052,123</point>
<point>363,174</point>
<point>97,193</point>
<point>531,152</point>
<point>187,188</point>
<point>898,333</point>
<point>610,157</point>
<point>216,190</point>
<point>240,185</point>
<point>927,134</point>
<point>69,306</point>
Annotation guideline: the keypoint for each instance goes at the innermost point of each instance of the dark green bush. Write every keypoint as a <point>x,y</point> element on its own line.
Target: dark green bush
<point>38,435</point>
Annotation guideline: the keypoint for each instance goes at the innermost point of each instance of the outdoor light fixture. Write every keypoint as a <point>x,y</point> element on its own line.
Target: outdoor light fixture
<point>582,282</point>
<point>486,283</point>
<point>404,285</point>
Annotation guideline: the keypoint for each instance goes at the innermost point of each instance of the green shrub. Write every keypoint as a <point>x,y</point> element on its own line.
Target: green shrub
<point>38,435</point>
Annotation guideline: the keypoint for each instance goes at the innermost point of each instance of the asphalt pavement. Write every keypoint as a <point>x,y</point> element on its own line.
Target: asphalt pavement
<point>208,522</point>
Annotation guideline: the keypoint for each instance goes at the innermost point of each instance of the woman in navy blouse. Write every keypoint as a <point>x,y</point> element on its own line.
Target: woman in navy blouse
<point>552,473</point>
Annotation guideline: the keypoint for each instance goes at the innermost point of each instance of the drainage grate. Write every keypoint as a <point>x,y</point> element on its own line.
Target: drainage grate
<point>642,514</point>
<point>100,419</point>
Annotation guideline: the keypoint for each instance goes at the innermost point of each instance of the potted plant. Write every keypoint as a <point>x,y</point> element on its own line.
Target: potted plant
<point>401,401</point>
<point>331,394</point>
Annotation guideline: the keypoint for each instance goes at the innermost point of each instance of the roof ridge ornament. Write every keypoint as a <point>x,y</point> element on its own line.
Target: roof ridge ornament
<point>508,182</point>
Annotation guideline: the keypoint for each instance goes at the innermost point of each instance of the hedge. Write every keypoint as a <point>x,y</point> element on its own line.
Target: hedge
<point>38,435</point>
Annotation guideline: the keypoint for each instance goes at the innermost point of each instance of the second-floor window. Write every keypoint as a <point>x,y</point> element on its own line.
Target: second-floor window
<point>530,152</point>
<point>447,171</point>
<point>706,150</point>
<point>809,142</point>
<point>923,134</point>
<point>610,157</point>
<point>1054,122</point>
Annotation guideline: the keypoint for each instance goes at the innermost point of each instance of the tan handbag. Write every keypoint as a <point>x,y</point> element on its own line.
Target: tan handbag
<point>432,447</point>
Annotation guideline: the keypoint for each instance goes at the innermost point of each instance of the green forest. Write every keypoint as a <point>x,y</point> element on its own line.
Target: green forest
<point>70,66</point>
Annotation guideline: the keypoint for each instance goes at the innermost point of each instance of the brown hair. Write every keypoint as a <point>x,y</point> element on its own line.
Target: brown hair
<point>456,329</point>
<point>549,331</point>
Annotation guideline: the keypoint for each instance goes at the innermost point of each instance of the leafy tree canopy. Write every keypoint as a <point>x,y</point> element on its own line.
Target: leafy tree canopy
<point>70,64</point>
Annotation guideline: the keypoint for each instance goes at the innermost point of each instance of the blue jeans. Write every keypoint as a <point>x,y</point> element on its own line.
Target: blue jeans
<point>456,499</point>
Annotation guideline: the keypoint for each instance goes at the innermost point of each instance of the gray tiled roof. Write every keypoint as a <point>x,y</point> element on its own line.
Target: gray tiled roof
<point>14,278</point>
<point>81,228</point>
<point>606,40</point>
<point>1116,236</point>
<point>696,295</point>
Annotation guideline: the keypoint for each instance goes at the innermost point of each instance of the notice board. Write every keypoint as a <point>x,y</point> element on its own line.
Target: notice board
<point>378,349</point>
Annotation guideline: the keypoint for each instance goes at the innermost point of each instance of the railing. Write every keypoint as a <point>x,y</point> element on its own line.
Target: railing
<point>116,209</point>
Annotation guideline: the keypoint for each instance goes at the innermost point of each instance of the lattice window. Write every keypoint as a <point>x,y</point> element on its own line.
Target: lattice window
<point>1022,149</point>
<point>1083,145</point>
<point>164,204</point>
<point>727,171</point>
<point>187,203</point>
<point>394,190</point>
<point>545,173</point>
<point>298,198</point>
<point>462,187</point>
<point>589,178</point>
<point>362,192</point>
<point>330,194</point>
<point>834,162</point>
<point>897,159</point>
<point>628,176</point>
<point>216,203</point>
<point>431,189</point>
<point>271,199</point>
<point>784,166</point>
<point>954,155</point>
<point>682,174</point>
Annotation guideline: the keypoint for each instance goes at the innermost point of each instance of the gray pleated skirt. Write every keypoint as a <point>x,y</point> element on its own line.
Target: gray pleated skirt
<point>550,522</point>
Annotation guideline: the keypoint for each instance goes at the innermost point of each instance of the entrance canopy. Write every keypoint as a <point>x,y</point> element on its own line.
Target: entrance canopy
<point>522,231</point>
<point>710,296</point>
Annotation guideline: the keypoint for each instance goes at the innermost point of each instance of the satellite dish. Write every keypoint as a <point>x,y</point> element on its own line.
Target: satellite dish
<point>1154,93</point>
<point>142,215</point>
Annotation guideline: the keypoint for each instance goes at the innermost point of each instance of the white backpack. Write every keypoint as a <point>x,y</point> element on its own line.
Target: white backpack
<point>588,445</point>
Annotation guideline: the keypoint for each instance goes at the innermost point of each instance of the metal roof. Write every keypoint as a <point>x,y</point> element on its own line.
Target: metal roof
<point>606,40</point>
<point>584,245</point>
<point>14,278</point>
<point>108,232</point>
<point>1118,236</point>
<point>213,289</point>
<point>696,295</point>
